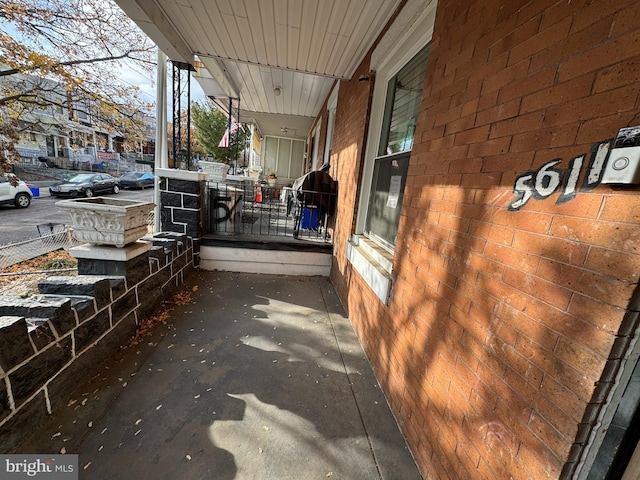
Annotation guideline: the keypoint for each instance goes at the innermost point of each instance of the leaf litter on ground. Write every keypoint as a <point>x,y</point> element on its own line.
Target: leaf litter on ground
<point>20,279</point>
<point>146,327</point>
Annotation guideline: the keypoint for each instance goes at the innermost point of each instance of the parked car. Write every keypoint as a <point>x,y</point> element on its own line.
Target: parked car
<point>86,185</point>
<point>14,191</point>
<point>137,180</point>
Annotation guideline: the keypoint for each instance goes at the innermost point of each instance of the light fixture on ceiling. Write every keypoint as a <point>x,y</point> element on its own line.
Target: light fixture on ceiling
<point>277,91</point>
<point>284,130</point>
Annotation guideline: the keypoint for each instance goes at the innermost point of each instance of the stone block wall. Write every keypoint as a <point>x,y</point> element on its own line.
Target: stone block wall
<point>51,342</point>
<point>182,200</point>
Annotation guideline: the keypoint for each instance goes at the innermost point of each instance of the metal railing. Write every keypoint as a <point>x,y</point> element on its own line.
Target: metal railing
<point>263,211</point>
<point>86,163</point>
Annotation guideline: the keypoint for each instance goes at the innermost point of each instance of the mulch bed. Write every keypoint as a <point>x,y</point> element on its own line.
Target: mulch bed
<point>23,283</point>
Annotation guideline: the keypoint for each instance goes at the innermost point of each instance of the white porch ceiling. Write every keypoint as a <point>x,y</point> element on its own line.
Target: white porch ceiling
<point>248,48</point>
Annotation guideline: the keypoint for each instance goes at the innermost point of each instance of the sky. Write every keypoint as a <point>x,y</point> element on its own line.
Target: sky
<point>147,84</point>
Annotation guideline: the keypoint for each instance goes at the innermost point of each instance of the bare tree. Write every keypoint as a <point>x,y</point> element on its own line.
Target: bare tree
<point>62,56</point>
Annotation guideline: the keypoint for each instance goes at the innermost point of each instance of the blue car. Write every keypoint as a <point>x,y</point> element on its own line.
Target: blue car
<point>137,180</point>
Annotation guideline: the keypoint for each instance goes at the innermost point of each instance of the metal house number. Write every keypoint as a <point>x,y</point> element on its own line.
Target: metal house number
<point>546,180</point>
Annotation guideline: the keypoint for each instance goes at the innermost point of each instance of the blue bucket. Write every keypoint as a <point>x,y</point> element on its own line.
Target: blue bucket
<point>309,218</point>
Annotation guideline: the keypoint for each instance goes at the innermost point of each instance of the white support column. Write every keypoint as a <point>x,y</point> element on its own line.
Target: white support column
<point>161,158</point>
<point>94,139</point>
<point>251,155</point>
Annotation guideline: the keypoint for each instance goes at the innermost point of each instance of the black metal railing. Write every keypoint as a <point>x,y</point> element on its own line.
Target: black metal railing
<point>266,211</point>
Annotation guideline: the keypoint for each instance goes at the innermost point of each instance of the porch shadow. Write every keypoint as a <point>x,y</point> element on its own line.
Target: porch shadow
<point>260,377</point>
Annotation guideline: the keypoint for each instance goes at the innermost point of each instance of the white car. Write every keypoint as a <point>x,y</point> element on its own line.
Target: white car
<point>19,194</point>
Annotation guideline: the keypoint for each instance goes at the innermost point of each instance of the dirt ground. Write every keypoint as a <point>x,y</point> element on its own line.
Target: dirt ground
<point>22,278</point>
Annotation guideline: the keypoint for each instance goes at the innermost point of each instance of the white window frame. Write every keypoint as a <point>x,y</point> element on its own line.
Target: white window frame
<point>316,141</point>
<point>419,35</point>
<point>332,105</point>
<point>412,30</point>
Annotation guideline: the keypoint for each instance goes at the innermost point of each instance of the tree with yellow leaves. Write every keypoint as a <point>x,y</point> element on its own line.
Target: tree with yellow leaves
<point>60,58</point>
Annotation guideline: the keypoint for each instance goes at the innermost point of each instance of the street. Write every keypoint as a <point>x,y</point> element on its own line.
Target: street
<point>20,224</point>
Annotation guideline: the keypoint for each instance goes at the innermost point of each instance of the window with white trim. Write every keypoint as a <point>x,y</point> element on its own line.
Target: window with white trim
<point>331,122</point>
<point>313,148</point>
<point>399,62</point>
<point>391,163</point>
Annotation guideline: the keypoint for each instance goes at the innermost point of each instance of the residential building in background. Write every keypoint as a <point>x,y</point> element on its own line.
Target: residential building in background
<point>68,134</point>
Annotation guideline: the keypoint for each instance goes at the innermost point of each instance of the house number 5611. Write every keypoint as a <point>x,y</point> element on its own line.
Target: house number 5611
<point>545,181</point>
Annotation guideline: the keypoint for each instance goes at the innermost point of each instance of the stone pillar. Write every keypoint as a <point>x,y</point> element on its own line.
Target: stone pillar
<point>130,261</point>
<point>183,203</point>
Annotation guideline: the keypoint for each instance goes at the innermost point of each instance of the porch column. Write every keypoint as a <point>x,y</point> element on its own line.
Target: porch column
<point>251,154</point>
<point>160,159</point>
<point>94,139</point>
<point>183,203</point>
<point>66,151</point>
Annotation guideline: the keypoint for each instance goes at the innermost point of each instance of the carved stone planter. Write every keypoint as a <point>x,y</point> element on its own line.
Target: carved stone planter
<point>107,221</point>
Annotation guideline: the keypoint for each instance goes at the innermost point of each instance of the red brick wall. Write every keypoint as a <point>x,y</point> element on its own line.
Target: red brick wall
<point>501,323</point>
<point>349,141</point>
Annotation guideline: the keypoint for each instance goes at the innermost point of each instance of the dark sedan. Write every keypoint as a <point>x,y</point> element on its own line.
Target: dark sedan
<point>137,180</point>
<point>86,185</point>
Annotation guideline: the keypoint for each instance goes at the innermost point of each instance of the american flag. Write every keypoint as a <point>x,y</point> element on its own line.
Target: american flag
<point>224,141</point>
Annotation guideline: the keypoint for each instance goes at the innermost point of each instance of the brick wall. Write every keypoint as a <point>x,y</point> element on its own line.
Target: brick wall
<point>50,343</point>
<point>349,139</point>
<point>505,327</point>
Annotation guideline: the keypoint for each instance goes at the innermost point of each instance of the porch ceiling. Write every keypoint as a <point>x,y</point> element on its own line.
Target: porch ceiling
<point>249,48</point>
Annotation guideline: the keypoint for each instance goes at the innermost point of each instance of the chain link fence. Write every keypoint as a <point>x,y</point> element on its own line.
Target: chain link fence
<point>52,237</point>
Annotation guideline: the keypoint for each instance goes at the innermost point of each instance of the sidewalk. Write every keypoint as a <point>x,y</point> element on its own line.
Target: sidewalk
<point>261,377</point>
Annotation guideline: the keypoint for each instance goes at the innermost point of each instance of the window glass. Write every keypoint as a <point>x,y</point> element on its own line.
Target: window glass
<point>284,157</point>
<point>297,159</point>
<point>270,155</point>
<point>404,92</point>
<point>385,202</point>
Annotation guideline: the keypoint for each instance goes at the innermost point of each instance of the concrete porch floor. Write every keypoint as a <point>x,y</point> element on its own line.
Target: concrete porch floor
<point>260,377</point>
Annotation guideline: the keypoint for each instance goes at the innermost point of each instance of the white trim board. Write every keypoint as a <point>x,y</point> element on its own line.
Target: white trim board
<point>276,262</point>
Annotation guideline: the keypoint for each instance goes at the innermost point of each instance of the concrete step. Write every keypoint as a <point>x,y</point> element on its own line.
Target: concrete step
<point>272,255</point>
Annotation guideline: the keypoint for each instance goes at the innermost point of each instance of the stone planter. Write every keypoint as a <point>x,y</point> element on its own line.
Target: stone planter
<point>107,221</point>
